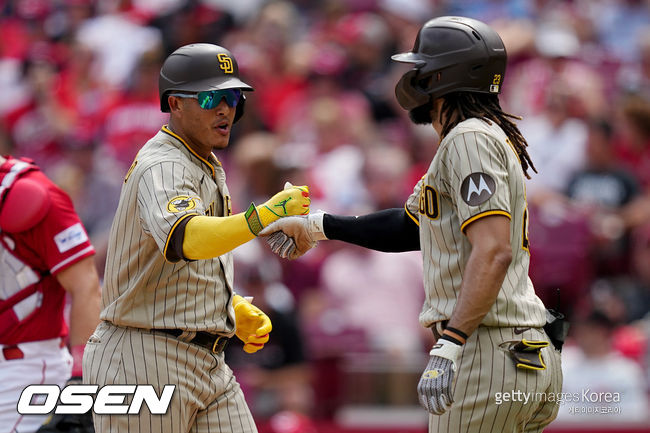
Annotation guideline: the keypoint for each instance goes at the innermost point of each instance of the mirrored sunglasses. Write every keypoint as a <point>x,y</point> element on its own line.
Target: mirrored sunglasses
<point>211,98</point>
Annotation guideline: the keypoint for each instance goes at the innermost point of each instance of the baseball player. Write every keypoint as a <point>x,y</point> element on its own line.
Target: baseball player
<point>44,253</point>
<point>468,217</point>
<point>168,308</point>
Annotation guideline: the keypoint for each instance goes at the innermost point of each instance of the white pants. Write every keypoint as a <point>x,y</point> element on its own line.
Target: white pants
<point>44,362</point>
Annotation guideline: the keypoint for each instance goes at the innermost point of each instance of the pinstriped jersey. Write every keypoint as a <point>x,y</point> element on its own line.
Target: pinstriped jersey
<point>475,173</point>
<point>166,184</point>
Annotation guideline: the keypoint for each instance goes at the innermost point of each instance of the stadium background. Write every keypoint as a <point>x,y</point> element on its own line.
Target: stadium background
<point>78,80</point>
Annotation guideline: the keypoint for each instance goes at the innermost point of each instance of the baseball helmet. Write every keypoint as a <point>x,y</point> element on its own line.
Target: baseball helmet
<point>198,68</point>
<point>451,54</point>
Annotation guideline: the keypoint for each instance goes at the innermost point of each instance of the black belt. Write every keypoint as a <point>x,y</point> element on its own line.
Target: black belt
<point>213,342</point>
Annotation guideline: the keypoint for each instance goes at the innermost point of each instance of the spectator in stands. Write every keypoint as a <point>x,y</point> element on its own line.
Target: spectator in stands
<point>634,77</point>
<point>626,296</point>
<point>633,148</point>
<point>38,125</point>
<point>603,184</point>
<point>556,144</point>
<point>634,152</point>
<point>135,115</point>
<point>590,365</point>
<point>555,60</point>
<point>600,191</point>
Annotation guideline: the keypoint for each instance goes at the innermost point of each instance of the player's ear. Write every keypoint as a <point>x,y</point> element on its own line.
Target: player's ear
<point>175,103</point>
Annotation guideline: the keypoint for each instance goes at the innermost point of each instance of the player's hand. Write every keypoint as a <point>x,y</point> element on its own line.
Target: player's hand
<point>436,383</point>
<point>252,325</point>
<point>292,200</point>
<point>72,423</point>
<point>283,245</point>
<point>292,237</point>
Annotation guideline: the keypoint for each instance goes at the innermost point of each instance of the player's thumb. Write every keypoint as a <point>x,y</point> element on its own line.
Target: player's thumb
<point>288,185</point>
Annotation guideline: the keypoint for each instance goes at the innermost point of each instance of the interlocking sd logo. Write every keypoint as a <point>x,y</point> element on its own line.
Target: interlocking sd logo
<point>225,63</point>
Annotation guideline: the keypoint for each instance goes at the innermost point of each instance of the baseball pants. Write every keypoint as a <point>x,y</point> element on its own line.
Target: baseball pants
<point>492,395</point>
<point>42,362</point>
<point>207,397</point>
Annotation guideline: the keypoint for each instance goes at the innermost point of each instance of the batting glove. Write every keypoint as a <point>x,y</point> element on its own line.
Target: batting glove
<point>252,325</point>
<point>292,200</point>
<point>435,386</point>
<point>292,237</point>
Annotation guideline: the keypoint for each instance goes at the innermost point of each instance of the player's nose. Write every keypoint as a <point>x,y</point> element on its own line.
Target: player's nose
<point>223,109</point>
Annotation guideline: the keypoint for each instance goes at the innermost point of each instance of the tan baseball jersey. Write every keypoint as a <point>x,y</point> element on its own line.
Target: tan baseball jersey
<point>475,173</point>
<point>147,284</point>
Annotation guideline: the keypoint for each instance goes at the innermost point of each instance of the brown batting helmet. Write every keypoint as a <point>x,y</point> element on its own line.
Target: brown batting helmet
<point>198,68</point>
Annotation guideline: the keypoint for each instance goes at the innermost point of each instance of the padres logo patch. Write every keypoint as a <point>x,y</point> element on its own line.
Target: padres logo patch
<point>182,203</point>
<point>477,188</point>
<point>432,374</point>
<point>225,63</point>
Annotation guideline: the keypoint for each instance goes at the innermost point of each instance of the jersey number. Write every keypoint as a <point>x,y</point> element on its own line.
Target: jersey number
<point>429,205</point>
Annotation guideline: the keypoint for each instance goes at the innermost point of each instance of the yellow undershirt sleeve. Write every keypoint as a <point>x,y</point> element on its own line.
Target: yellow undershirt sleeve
<point>207,237</point>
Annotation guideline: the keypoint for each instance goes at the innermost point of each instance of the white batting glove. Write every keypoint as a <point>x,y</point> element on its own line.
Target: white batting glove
<point>436,383</point>
<point>291,237</point>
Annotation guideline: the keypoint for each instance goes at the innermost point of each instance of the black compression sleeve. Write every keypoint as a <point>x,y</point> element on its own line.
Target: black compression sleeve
<point>390,230</point>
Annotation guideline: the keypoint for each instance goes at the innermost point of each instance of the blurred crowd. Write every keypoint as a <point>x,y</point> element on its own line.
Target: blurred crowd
<point>78,80</point>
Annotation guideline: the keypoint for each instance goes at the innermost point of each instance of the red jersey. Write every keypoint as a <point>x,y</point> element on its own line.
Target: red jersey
<point>32,258</point>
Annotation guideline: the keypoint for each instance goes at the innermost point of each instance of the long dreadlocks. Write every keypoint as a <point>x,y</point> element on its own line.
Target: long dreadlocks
<point>459,106</point>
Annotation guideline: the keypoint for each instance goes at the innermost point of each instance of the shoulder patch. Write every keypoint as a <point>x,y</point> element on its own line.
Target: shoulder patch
<point>477,188</point>
<point>182,203</point>
<point>71,237</point>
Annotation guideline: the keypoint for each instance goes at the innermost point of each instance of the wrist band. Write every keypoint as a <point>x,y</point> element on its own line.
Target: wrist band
<point>455,335</point>
<point>316,226</point>
<point>253,220</point>
<point>457,332</point>
<point>452,339</point>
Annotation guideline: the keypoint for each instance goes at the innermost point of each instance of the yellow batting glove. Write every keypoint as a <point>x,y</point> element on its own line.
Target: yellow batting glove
<point>252,325</point>
<point>292,200</point>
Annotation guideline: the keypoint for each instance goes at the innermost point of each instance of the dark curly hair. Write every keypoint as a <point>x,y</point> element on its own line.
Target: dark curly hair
<point>460,106</point>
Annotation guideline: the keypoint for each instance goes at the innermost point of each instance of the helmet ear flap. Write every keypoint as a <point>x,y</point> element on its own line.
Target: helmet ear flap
<point>409,95</point>
<point>164,103</point>
<point>239,111</point>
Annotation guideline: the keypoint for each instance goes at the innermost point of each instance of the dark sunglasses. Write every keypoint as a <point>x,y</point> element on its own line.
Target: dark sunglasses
<point>211,98</point>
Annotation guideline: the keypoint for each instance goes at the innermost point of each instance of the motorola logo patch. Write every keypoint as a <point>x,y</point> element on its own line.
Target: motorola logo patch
<point>477,188</point>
